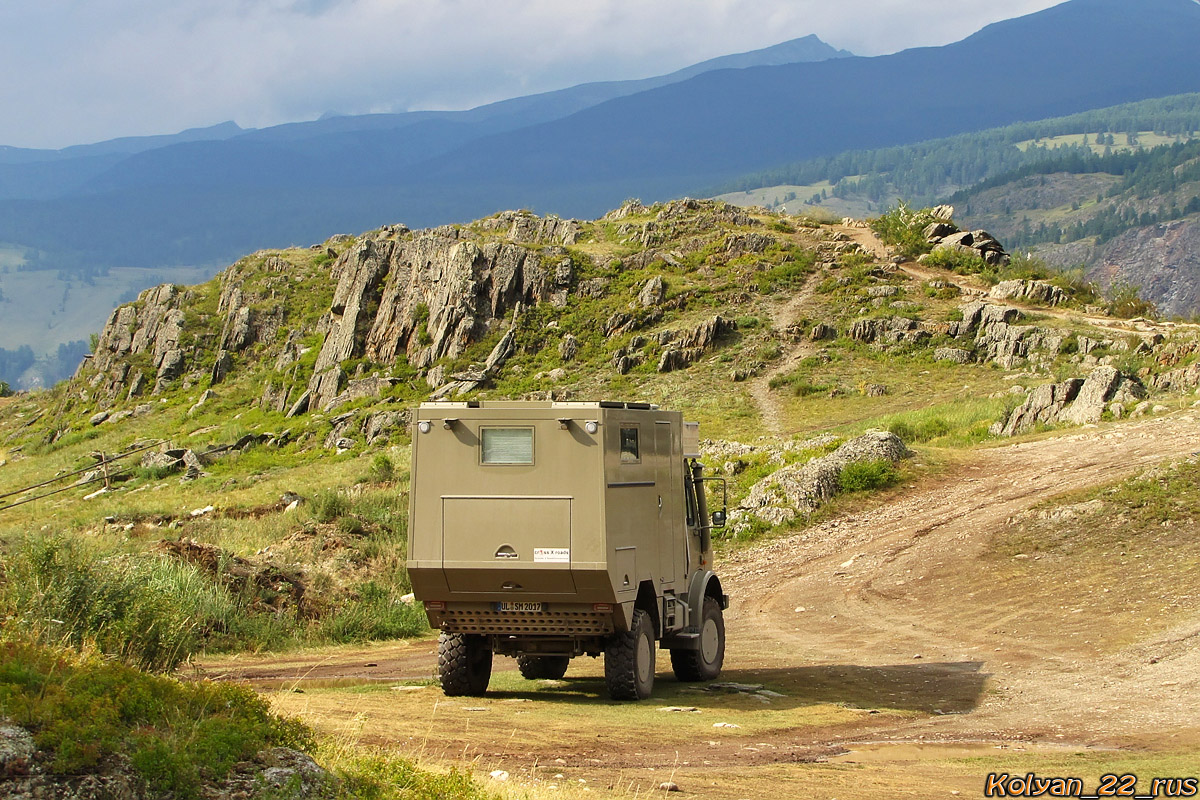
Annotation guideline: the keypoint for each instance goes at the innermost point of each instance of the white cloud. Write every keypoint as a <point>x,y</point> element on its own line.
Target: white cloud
<point>85,70</point>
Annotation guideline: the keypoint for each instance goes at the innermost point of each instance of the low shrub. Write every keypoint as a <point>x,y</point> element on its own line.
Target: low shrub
<point>920,430</point>
<point>382,470</point>
<point>962,262</point>
<point>328,505</point>
<point>1125,302</point>
<point>863,476</point>
<point>801,385</point>
<point>85,709</point>
<point>902,228</point>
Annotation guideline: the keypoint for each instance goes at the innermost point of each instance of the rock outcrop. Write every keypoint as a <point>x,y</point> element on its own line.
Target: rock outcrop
<point>1039,292</point>
<point>945,236</point>
<point>801,488</point>
<point>523,226</point>
<point>1075,401</point>
<point>682,349</point>
<point>425,297</point>
<point>152,326</point>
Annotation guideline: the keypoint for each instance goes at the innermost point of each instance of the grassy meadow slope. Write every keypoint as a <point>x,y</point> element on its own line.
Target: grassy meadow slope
<point>287,532</point>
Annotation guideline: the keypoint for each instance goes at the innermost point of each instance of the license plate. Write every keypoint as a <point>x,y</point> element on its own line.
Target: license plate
<point>517,605</point>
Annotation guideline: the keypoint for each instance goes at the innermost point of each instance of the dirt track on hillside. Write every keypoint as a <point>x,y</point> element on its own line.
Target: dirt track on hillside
<point>907,584</point>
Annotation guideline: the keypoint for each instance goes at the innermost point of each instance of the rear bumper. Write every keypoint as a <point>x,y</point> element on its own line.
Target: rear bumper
<point>558,619</point>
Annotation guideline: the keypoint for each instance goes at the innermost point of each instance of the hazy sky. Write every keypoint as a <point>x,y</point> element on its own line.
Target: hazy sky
<point>76,71</point>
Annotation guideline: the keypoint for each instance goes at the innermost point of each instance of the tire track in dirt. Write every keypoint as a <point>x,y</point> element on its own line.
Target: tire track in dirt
<point>868,587</point>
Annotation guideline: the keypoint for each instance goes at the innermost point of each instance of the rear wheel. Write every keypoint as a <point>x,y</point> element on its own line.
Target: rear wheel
<point>704,663</point>
<point>629,660</point>
<point>543,667</point>
<point>464,663</point>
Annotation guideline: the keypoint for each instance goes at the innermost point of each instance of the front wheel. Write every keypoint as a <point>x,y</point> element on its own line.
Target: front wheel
<point>704,663</point>
<point>542,667</point>
<point>629,660</point>
<point>464,664</point>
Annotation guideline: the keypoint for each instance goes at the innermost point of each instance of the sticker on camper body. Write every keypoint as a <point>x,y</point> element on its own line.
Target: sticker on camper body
<point>554,555</point>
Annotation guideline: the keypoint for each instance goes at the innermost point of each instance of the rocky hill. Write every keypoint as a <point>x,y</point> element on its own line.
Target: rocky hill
<point>522,306</point>
<point>227,471</point>
<point>787,338</point>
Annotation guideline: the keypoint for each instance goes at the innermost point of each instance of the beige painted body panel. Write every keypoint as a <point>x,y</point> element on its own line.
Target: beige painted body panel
<point>579,525</point>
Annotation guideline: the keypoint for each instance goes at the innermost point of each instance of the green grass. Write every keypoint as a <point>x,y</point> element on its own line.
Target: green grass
<point>117,593</point>
<point>147,610</point>
<point>866,476</point>
<point>379,774</point>
<point>84,709</point>
<point>960,423</point>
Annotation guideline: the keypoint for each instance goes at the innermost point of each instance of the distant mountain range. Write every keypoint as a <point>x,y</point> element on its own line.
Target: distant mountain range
<point>206,195</point>
<point>209,195</point>
<point>30,173</point>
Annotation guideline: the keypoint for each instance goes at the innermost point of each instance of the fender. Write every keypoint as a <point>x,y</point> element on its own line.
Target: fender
<point>704,583</point>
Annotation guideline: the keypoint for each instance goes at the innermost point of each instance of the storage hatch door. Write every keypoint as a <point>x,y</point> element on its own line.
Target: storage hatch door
<point>493,544</point>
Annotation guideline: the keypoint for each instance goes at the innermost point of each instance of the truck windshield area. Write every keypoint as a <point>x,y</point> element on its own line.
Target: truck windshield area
<point>506,445</point>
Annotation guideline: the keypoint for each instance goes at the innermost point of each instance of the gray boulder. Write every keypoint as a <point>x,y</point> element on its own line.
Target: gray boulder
<point>1096,390</point>
<point>937,231</point>
<point>954,354</point>
<point>1039,292</point>
<point>568,347</point>
<point>653,293</point>
<point>801,488</point>
<point>822,332</point>
<point>1043,406</point>
<point>1075,401</point>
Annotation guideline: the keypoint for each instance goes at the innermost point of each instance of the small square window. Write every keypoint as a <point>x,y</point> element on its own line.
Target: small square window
<point>630,454</point>
<point>507,445</point>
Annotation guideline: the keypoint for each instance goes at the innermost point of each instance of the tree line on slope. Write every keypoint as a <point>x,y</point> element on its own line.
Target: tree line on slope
<point>927,171</point>
<point>1154,187</point>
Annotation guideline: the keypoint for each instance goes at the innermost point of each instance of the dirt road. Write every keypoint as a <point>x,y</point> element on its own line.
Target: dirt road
<point>912,583</point>
<point>897,640</point>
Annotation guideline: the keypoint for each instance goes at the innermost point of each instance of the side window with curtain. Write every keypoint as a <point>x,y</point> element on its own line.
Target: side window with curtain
<point>506,445</point>
<point>630,452</point>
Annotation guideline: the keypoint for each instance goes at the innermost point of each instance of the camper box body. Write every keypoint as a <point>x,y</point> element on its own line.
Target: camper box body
<point>543,525</point>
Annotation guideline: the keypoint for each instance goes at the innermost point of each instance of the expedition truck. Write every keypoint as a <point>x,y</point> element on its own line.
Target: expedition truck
<point>550,530</point>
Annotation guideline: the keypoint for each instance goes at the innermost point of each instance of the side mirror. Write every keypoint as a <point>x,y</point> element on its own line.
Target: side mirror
<point>718,519</point>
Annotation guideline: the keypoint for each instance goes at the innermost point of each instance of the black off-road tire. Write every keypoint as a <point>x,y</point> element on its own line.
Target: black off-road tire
<point>464,664</point>
<point>629,660</point>
<point>704,663</point>
<point>543,667</point>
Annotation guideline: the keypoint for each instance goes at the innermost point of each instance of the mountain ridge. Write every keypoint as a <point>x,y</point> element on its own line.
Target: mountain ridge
<point>186,205</point>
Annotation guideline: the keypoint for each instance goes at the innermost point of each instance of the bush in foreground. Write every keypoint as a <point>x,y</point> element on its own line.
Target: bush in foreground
<point>83,710</point>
